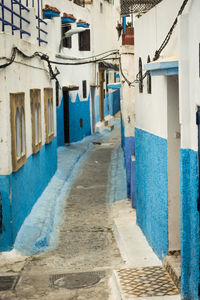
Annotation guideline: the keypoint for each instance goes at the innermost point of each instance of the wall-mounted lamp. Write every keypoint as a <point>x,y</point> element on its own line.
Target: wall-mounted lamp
<point>70,33</point>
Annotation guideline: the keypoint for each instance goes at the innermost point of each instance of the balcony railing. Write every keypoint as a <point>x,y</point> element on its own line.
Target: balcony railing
<point>15,14</point>
<point>10,16</point>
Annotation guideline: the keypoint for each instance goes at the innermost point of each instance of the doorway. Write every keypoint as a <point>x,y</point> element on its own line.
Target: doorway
<point>66,116</point>
<point>173,162</point>
<point>101,93</point>
<point>92,92</point>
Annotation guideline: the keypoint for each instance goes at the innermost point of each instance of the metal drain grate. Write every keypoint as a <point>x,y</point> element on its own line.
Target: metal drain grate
<point>146,282</point>
<point>75,280</point>
<point>8,282</point>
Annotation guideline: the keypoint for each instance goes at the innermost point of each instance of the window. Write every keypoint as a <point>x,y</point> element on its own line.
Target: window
<point>84,40</point>
<point>148,78</point>
<point>84,85</point>
<point>107,81</point>
<point>66,42</point>
<point>18,132</point>
<point>48,112</point>
<point>35,96</point>
<point>57,93</point>
<point>140,76</point>
<point>101,7</point>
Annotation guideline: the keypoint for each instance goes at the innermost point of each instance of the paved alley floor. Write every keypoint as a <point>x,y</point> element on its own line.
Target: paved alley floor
<point>97,240</point>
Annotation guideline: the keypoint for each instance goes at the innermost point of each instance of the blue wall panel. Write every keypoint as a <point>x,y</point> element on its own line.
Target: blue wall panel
<point>97,111</point>
<point>122,132</point>
<point>151,189</point>
<point>189,225</point>
<point>129,149</point>
<point>6,240</point>
<point>79,110</point>
<point>112,103</point>
<point>25,186</point>
<point>60,124</point>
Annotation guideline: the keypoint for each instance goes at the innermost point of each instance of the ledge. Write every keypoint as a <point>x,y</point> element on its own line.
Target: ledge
<point>166,67</point>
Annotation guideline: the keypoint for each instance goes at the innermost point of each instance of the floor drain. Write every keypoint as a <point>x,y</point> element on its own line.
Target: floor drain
<point>97,143</point>
<point>76,280</point>
<point>8,282</point>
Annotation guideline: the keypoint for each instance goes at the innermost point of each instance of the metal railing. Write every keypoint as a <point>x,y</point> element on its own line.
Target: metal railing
<point>40,22</point>
<point>5,9</point>
<point>13,15</point>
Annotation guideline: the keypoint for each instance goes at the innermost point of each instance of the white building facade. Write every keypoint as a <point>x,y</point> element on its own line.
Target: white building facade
<point>32,93</point>
<point>166,135</point>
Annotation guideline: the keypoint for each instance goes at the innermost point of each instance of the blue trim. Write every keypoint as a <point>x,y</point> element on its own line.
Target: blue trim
<point>68,20</point>
<point>114,86</point>
<point>83,25</point>
<point>189,225</point>
<point>167,72</point>
<point>161,65</point>
<point>162,68</point>
<point>49,14</point>
<point>151,189</point>
<point>117,75</point>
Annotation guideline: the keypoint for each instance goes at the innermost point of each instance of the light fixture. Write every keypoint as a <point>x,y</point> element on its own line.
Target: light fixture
<point>70,33</point>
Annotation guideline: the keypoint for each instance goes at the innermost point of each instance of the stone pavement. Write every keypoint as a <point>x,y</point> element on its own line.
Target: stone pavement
<point>96,240</point>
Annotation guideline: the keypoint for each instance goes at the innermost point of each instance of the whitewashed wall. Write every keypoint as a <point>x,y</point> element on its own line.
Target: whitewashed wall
<point>128,103</point>
<point>24,75</point>
<point>150,31</point>
<point>21,76</point>
<point>189,74</point>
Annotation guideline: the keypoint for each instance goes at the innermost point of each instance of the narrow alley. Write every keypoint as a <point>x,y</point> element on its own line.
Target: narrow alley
<point>99,150</point>
<point>89,246</point>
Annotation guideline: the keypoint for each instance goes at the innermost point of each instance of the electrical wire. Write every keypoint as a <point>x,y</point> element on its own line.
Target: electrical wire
<point>168,36</point>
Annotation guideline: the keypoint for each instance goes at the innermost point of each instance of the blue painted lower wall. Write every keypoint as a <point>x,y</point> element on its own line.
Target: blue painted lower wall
<point>112,103</point>
<point>21,189</point>
<point>151,189</point>
<point>189,225</point>
<point>79,110</point>
<point>129,150</point>
<point>60,124</point>
<point>122,132</point>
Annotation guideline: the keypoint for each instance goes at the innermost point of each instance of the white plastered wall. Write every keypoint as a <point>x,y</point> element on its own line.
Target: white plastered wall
<point>189,78</point>
<point>127,103</point>
<point>150,31</point>
<point>21,76</point>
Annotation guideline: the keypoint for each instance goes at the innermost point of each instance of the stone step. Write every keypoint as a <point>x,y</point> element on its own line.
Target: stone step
<point>111,127</point>
<point>172,263</point>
